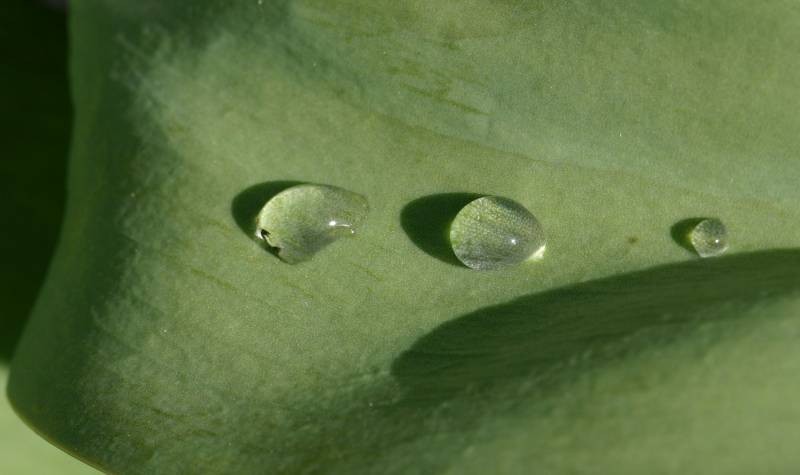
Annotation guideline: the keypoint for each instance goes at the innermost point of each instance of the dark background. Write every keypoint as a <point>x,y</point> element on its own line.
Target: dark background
<point>35,122</point>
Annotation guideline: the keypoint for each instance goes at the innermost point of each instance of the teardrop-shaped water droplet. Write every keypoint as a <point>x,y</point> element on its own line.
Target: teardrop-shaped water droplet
<point>709,238</point>
<point>493,232</point>
<point>303,219</point>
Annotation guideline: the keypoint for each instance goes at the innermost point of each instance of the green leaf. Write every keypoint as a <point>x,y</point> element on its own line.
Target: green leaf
<point>23,452</point>
<point>167,340</point>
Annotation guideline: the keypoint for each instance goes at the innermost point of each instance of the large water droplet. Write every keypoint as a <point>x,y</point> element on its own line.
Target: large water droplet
<point>493,232</point>
<point>709,238</point>
<point>303,219</point>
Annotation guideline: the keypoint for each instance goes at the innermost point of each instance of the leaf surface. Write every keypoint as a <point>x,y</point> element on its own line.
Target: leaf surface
<point>167,340</point>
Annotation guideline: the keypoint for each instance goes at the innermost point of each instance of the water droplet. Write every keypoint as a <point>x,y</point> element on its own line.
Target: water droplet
<point>303,219</point>
<point>709,238</point>
<point>493,232</point>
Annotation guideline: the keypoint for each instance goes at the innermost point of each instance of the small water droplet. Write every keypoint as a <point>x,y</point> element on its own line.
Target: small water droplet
<point>492,232</point>
<point>709,238</point>
<point>303,219</point>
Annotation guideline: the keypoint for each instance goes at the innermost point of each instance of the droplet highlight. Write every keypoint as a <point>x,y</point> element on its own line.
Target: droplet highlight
<point>299,221</point>
<point>709,238</point>
<point>493,232</point>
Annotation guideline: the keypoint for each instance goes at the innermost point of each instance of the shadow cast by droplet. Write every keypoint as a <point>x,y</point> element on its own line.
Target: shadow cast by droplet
<point>533,335</point>
<point>246,205</point>
<point>427,220</point>
<point>681,232</point>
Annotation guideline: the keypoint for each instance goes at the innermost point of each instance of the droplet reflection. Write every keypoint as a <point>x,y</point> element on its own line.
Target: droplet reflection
<point>492,232</point>
<point>303,219</point>
<point>709,238</point>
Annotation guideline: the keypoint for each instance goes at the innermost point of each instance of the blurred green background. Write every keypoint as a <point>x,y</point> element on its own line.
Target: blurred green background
<point>34,127</point>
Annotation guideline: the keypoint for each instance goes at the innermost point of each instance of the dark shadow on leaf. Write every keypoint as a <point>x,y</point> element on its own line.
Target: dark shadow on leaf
<point>427,222</point>
<point>35,122</point>
<point>533,334</point>
<point>681,231</point>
